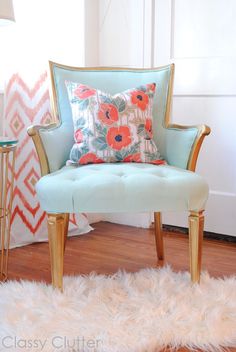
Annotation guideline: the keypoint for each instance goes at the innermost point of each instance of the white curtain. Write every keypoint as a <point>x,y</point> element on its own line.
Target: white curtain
<point>44,29</point>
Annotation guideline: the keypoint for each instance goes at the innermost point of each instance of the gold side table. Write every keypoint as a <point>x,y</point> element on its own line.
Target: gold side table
<point>7,171</point>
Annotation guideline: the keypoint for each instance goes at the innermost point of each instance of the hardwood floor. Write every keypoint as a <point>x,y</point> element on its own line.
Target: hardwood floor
<point>111,247</point>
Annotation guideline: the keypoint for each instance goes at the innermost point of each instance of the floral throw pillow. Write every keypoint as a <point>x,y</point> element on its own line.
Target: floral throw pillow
<point>114,128</point>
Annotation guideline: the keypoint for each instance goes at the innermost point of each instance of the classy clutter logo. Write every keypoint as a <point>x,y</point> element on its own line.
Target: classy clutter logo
<point>58,343</point>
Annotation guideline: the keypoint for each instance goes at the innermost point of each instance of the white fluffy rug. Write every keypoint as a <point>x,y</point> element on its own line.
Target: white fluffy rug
<point>144,311</point>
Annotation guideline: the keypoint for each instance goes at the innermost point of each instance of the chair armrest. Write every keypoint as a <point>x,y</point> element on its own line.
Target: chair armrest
<point>182,144</point>
<point>53,143</point>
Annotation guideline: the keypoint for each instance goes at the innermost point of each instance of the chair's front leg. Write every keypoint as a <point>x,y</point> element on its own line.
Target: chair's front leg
<point>196,226</point>
<point>66,226</point>
<point>56,236</point>
<point>158,235</point>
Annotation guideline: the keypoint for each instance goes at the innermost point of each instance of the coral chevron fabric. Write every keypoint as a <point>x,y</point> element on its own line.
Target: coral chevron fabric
<point>27,103</point>
<point>112,128</point>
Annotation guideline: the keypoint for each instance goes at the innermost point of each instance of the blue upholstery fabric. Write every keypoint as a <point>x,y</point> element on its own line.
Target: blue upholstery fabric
<point>174,145</point>
<point>177,144</point>
<point>121,187</point>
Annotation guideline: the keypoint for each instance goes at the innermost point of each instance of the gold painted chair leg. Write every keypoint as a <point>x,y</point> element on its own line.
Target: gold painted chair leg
<point>66,226</point>
<point>196,226</point>
<point>159,236</point>
<point>56,236</point>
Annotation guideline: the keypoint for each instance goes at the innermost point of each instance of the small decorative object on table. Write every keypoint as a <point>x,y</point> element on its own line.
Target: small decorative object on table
<point>7,166</point>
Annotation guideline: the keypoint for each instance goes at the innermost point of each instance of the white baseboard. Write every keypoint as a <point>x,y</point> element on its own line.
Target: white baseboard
<point>220,214</point>
<point>132,219</point>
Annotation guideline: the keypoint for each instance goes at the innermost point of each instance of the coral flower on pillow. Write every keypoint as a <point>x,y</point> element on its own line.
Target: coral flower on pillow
<point>108,114</point>
<point>152,86</point>
<point>84,92</point>
<point>78,135</point>
<point>140,99</point>
<point>118,137</point>
<point>90,158</point>
<point>158,162</point>
<point>133,158</point>
<point>148,127</point>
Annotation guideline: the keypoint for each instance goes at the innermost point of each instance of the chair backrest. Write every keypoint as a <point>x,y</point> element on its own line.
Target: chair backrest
<point>112,80</point>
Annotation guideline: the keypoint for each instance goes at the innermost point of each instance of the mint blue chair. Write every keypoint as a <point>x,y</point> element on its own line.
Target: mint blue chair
<point>119,187</point>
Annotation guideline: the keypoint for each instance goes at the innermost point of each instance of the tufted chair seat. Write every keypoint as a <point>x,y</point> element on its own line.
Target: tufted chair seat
<point>121,187</point>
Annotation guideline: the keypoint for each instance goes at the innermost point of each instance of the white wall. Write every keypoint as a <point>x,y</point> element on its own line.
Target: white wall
<point>1,112</point>
<point>122,30</point>
<point>91,33</point>
<point>41,34</point>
